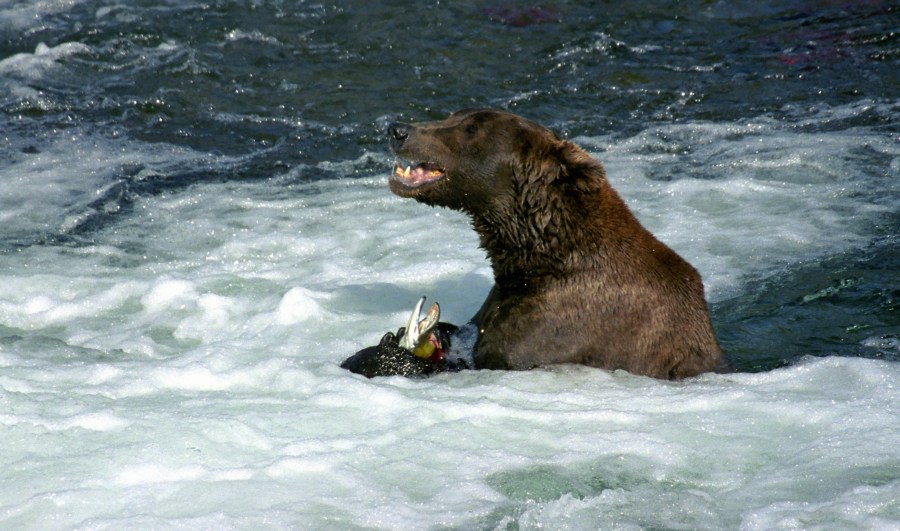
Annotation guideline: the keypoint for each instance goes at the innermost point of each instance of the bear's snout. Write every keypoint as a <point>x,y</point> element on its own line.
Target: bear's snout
<point>399,133</point>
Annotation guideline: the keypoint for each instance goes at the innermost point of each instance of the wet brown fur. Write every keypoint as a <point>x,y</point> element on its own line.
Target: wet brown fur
<point>577,278</point>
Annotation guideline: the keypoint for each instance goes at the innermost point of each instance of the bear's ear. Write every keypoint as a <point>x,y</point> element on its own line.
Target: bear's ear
<point>577,168</point>
<point>559,163</point>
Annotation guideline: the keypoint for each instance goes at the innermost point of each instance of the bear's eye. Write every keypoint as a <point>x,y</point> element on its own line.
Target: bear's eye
<point>471,129</point>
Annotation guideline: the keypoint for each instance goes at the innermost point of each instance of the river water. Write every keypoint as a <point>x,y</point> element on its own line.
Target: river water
<point>195,230</point>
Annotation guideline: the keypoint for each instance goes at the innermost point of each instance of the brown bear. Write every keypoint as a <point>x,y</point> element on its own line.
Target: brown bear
<point>577,278</point>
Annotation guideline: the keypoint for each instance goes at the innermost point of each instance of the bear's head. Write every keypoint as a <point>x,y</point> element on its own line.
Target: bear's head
<point>532,197</point>
<point>476,161</point>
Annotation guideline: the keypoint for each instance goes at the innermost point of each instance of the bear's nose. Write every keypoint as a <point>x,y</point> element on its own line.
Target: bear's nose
<point>399,133</point>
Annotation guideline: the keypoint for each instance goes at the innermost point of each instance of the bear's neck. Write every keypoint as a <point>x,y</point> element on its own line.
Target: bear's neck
<point>522,253</point>
<point>519,261</point>
<point>528,247</point>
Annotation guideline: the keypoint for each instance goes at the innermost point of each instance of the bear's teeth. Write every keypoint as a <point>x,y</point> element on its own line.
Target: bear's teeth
<point>400,172</point>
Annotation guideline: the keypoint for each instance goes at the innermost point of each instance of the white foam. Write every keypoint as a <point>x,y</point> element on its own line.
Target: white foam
<point>194,377</point>
<point>298,304</point>
<point>32,66</point>
<point>152,473</point>
<point>94,421</point>
<point>858,507</point>
<point>253,36</point>
<point>169,294</point>
<point>26,15</point>
<point>53,191</point>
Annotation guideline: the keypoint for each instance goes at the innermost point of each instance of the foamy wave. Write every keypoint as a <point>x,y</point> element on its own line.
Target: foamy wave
<point>33,66</point>
<point>23,16</point>
<point>148,474</point>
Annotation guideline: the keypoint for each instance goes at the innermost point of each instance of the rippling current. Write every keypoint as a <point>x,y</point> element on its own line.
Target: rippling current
<point>195,229</point>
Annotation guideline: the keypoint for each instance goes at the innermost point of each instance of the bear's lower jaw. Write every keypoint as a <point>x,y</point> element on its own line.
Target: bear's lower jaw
<point>418,174</point>
<point>404,189</point>
<point>418,182</point>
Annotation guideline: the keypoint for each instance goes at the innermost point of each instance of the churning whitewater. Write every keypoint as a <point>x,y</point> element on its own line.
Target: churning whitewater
<point>196,229</point>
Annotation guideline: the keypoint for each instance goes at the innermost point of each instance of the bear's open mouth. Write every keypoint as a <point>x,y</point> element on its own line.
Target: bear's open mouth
<point>418,173</point>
